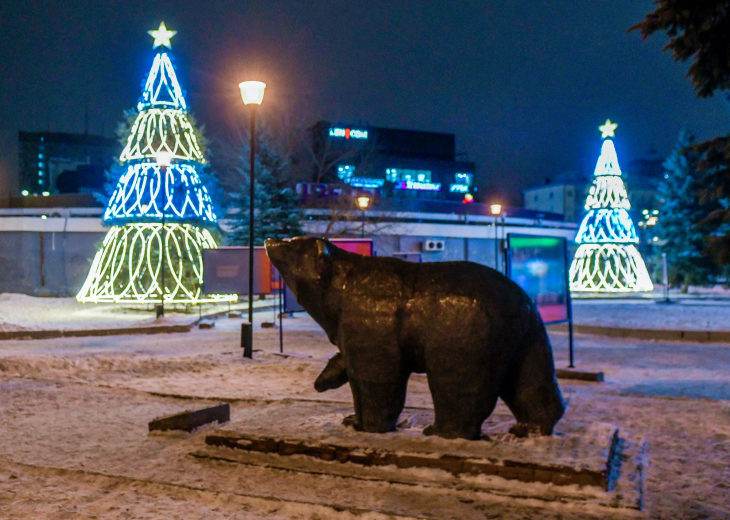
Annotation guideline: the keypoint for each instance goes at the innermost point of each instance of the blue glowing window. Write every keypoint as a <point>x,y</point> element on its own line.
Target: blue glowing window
<point>405,175</point>
<point>345,172</point>
<point>464,178</point>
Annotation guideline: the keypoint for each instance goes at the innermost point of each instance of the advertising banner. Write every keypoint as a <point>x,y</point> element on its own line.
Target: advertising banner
<point>540,266</point>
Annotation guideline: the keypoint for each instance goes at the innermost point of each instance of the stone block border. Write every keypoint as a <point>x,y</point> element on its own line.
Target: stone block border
<point>454,464</point>
<point>80,333</point>
<point>699,336</point>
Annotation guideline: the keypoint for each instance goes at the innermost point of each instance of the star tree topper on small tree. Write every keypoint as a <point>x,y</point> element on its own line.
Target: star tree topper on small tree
<point>607,259</point>
<point>160,212</point>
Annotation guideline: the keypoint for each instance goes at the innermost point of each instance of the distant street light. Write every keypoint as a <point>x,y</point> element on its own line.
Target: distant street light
<point>363,202</point>
<point>252,93</point>
<point>163,159</point>
<point>495,209</point>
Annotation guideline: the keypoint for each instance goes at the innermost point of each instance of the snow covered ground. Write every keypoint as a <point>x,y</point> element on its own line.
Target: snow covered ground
<point>685,314</point>
<point>21,312</point>
<point>74,440</point>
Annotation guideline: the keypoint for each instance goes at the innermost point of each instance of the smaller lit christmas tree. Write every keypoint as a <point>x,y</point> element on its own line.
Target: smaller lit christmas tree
<point>607,259</point>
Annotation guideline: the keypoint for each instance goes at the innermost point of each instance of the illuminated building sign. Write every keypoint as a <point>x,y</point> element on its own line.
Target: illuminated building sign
<point>415,185</point>
<point>365,182</point>
<point>348,133</point>
<point>459,188</point>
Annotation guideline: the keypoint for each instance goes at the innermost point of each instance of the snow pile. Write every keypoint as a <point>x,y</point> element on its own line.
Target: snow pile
<point>23,312</point>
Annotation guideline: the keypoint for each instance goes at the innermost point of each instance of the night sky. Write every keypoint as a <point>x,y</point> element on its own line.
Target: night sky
<point>522,84</point>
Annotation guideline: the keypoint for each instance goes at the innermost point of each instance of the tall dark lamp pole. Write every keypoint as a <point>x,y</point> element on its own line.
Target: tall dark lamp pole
<point>363,202</point>
<point>164,159</point>
<point>252,93</point>
<point>495,210</point>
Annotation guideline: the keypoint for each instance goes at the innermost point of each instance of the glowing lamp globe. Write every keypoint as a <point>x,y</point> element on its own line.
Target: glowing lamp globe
<point>363,202</point>
<point>496,209</point>
<point>252,92</point>
<point>164,159</point>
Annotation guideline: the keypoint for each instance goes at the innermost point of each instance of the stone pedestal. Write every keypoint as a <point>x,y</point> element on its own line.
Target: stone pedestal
<point>581,462</point>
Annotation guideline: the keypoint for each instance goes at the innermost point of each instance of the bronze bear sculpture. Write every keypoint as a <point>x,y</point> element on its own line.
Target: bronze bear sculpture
<point>474,333</point>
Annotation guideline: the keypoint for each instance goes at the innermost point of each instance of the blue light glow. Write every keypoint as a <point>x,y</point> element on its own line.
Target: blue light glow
<point>141,195</point>
<point>459,188</point>
<point>607,225</point>
<point>345,172</point>
<point>464,178</point>
<point>365,182</point>
<point>162,89</point>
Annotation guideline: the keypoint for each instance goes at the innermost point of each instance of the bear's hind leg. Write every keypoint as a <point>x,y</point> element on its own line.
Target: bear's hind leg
<point>459,413</point>
<point>378,404</point>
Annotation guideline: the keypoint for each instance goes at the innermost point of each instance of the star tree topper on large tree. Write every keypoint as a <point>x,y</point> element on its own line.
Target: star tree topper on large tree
<point>160,211</point>
<point>607,259</point>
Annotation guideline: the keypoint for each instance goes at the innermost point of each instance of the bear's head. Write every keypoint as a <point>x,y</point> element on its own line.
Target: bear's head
<point>305,263</point>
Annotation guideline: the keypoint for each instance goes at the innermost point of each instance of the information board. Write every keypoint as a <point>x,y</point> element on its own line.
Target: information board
<point>225,271</point>
<point>539,265</point>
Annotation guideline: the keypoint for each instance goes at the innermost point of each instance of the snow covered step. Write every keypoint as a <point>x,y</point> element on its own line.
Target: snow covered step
<point>582,462</point>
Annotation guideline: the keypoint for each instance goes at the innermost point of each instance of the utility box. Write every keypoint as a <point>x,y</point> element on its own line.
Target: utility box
<point>433,245</point>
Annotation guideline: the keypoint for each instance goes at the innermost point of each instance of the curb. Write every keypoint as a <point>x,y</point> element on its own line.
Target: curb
<point>50,334</point>
<point>698,336</point>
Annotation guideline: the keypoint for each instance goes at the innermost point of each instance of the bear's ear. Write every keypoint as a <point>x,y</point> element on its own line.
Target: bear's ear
<point>323,249</point>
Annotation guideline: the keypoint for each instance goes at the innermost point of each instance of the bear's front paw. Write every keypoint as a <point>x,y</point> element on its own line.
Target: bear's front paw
<point>351,420</point>
<point>429,430</point>
<point>525,430</point>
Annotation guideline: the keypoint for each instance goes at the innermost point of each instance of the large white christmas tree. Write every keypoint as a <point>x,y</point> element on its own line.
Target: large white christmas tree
<point>160,211</point>
<point>607,259</point>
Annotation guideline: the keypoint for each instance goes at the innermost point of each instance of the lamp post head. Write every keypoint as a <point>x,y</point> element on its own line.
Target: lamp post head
<point>252,92</point>
<point>496,209</point>
<point>163,159</point>
<point>363,202</point>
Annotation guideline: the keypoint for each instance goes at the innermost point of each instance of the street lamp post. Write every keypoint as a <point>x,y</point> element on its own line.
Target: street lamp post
<point>164,159</point>
<point>495,209</point>
<point>363,202</point>
<point>252,93</point>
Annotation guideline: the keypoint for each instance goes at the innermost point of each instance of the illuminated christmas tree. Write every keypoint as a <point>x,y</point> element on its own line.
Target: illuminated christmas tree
<point>607,259</point>
<point>160,211</point>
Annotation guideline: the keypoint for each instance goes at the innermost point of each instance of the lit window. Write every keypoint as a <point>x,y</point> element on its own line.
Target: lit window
<point>40,181</point>
<point>464,178</point>
<point>404,175</point>
<point>40,165</point>
<point>345,172</point>
<point>40,156</point>
<point>40,173</point>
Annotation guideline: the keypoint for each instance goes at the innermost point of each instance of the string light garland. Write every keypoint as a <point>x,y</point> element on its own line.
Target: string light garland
<point>143,194</point>
<point>162,130</point>
<point>607,259</point>
<point>153,252</point>
<point>127,268</point>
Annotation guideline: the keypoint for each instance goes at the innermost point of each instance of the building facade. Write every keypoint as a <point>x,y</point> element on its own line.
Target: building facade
<point>393,163</point>
<point>53,163</point>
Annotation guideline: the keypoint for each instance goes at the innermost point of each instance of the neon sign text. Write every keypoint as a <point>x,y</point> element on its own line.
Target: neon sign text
<point>348,133</point>
<point>459,188</point>
<point>365,182</point>
<point>415,185</point>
